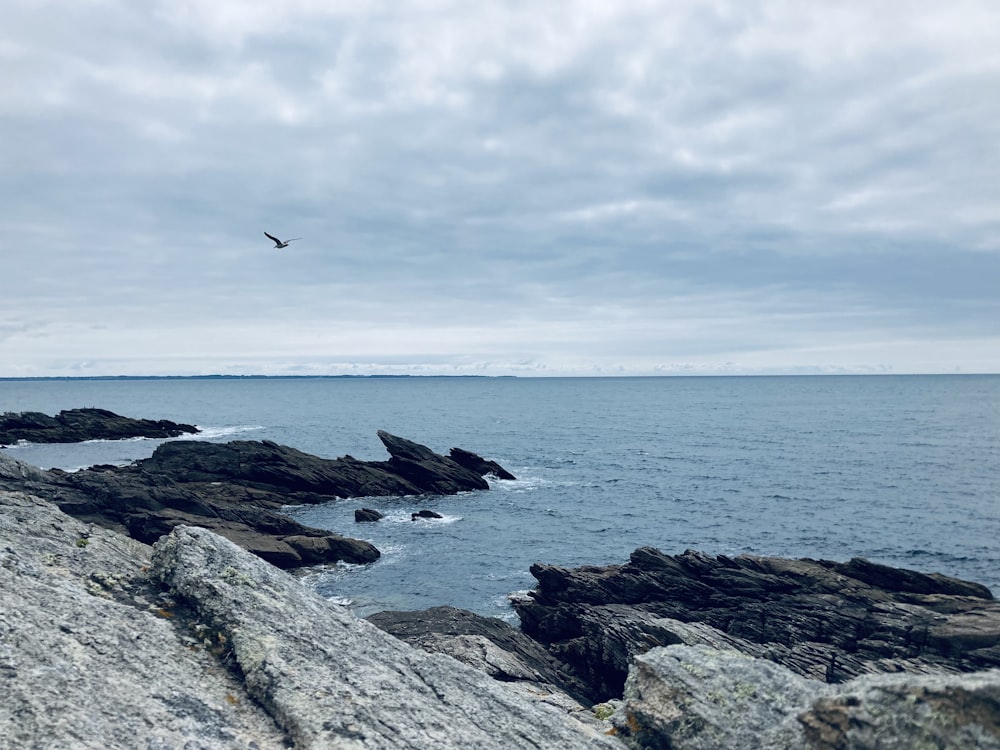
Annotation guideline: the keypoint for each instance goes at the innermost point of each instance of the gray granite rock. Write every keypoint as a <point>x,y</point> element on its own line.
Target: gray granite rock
<point>90,653</point>
<point>333,680</point>
<point>105,643</point>
<point>701,698</point>
<point>487,643</point>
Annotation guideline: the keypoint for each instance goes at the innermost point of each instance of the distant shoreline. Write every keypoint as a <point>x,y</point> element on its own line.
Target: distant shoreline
<point>236,377</point>
<point>36,378</point>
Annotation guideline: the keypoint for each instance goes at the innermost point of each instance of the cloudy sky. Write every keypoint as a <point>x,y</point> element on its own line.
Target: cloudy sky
<point>575,187</point>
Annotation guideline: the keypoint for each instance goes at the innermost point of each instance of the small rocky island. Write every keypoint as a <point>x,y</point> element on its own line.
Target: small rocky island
<point>77,425</point>
<point>133,614</point>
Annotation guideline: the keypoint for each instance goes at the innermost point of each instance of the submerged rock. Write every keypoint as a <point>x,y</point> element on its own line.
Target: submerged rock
<point>367,515</point>
<point>77,425</point>
<point>425,514</point>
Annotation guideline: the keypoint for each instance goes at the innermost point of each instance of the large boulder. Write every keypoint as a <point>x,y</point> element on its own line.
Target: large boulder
<point>701,698</point>
<point>77,425</point>
<point>478,464</point>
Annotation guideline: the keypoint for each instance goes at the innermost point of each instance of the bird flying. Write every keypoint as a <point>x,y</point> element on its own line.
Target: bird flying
<point>278,243</point>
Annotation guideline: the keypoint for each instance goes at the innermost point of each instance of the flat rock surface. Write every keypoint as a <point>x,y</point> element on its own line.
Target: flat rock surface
<point>487,643</point>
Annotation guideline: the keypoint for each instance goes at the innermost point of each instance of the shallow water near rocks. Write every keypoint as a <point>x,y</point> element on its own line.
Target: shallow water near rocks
<point>903,470</point>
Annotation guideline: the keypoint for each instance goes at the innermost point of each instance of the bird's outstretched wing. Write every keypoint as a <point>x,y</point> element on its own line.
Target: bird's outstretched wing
<point>271,237</point>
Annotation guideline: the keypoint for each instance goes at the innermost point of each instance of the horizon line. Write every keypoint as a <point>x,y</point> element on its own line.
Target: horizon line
<point>390,376</point>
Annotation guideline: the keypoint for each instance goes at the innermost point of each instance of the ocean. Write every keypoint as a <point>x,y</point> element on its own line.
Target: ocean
<point>902,470</point>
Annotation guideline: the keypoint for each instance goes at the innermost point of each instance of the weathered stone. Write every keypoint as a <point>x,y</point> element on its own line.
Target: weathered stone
<point>478,464</point>
<point>487,643</point>
<point>91,654</point>
<point>77,425</point>
<point>367,515</point>
<point>700,698</point>
<point>332,680</point>
<point>206,646</point>
<point>203,645</point>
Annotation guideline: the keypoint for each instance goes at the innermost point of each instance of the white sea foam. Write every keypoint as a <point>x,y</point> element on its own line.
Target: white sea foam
<point>521,484</point>
<point>444,520</point>
<point>210,433</point>
<point>405,517</point>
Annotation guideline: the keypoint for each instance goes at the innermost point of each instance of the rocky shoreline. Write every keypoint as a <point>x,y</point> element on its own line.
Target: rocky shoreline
<point>238,489</point>
<point>196,640</point>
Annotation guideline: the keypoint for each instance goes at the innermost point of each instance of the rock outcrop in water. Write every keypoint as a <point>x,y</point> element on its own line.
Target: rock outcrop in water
<point>823,620</point>
<point>238,489</point>
<point>77,425</point>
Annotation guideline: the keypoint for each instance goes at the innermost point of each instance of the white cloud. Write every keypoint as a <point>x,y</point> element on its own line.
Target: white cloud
<point>583,185</point>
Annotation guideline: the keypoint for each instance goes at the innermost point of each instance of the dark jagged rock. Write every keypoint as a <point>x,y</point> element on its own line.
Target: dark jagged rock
<point>367,515</point>
<point>427,470</point>
<point>424,514</point>
<point>296,477</point>
<point>77,425</point>
<point>825,620</point>
<point>478,464</point>
<point>238,489</point>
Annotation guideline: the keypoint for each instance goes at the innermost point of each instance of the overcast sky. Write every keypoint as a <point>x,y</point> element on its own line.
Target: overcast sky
<point>573,187</point>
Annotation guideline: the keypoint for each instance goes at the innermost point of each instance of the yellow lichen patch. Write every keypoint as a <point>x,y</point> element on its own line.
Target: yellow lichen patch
<point>603,711</point>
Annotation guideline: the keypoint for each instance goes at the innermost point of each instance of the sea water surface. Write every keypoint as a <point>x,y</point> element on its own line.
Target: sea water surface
<point>902,470</point>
